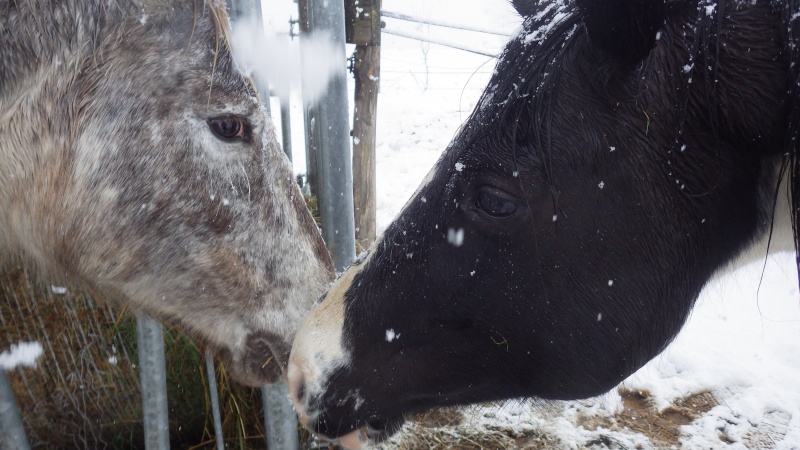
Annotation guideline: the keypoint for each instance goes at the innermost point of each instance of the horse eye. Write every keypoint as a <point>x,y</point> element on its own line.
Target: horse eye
<point>229,128</point>
<point>495,205</point>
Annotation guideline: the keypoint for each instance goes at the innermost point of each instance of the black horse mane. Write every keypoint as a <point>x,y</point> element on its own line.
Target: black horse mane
<point>792,145</point>
<point>523,90</point>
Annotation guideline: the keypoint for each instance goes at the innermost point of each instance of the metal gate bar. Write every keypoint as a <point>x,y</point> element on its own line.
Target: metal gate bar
<point>12,434</point>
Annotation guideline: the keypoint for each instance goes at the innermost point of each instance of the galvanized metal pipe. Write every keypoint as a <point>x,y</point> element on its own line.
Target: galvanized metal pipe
<point>153,379</point>
<point>251,10</point>
<point>335,164</point>
<point>212,392</point>
<point>12,433</point>
<point>280,420</point>
<point>286,127</point>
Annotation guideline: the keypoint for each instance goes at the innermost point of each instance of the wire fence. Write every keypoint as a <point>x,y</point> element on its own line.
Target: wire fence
<point>440,23</point>
<point>444,24</point>
<point>433,40</point>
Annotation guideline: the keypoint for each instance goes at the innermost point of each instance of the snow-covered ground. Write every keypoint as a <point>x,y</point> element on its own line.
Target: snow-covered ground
<point>22,354</point>
<point>741,344</point>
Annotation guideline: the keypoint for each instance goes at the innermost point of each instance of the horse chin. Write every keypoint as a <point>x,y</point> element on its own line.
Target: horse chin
<point>262,360</point>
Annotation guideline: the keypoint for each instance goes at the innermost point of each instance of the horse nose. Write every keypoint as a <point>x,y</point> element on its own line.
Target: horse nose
<point>297,389</point>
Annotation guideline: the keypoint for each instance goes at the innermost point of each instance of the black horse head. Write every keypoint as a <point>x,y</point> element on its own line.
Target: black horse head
<point>624,151</point>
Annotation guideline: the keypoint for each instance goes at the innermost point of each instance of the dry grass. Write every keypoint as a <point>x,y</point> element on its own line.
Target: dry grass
<point>84,392</point>
<point>449,428</point>
<point>459,429</point>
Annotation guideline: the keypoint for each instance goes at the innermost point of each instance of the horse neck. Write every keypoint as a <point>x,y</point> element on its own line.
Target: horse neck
<point>45,46</point>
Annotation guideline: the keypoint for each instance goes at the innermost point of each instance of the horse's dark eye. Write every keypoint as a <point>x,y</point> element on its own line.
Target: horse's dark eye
<point>229,128</point>
<point>495,205</point>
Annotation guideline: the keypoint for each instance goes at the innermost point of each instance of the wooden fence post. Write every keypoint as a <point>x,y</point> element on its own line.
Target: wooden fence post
<point>364,29</point>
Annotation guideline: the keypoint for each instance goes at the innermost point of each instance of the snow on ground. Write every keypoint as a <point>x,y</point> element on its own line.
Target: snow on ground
<point>19,355</point>
<point>741,344</point>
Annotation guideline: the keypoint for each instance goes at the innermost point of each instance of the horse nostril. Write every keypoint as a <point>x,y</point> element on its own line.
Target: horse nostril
<point>377,423</point>
<point>301,391</point>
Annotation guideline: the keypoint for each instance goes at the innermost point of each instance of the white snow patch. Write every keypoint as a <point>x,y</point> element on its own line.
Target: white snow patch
<point>58,290</point>
<point>601,185</point>
<point>21,354</point>
<point>455,237</point>
<point>460,167</point>
<point>391,335</point>
<point>610,282</point>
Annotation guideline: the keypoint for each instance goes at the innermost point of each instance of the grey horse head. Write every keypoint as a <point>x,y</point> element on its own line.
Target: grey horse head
<point>140,164</point>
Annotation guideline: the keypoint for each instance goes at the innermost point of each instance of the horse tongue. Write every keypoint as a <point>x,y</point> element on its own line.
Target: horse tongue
<point>355,440</point>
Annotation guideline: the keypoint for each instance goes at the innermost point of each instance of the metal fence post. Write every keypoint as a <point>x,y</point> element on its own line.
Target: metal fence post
<point>280,421</point>
<point>153,379</point>
<point>12,433</point>
<point>279,417</point>
<point>335,178</point>
<point>212,392</point>
<point>286,127</point>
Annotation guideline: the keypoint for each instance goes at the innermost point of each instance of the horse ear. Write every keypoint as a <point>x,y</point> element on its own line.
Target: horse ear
<point>624,29</point>
<point>525,8</point>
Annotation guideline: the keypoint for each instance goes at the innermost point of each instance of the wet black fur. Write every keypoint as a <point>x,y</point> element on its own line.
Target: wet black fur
<point>582,285</point>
